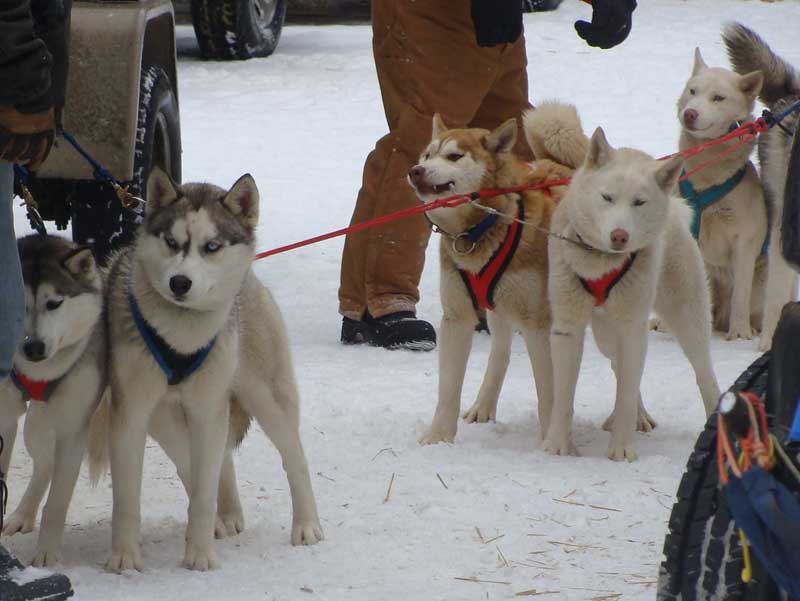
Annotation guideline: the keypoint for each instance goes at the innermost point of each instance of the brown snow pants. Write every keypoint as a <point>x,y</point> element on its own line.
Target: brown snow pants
<point>427,61</point>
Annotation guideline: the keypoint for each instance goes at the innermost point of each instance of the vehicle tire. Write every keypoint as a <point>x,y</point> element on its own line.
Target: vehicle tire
<point>237,29</point>
<point>98,218</point>
<point>702,551</point>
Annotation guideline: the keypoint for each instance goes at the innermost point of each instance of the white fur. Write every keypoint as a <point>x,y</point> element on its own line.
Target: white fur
<point>667,276</point>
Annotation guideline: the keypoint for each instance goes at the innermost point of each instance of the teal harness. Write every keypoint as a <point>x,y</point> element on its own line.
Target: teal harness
<point>699,201</point>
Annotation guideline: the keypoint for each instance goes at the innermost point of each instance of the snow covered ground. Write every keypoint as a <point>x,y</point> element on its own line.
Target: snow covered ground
<point>489,507</point>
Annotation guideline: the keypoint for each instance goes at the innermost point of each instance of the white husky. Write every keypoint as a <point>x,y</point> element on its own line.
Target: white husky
<point>59,376</point>
<point>191,328</point>
<point>730,213</point>
<point>637,254</point>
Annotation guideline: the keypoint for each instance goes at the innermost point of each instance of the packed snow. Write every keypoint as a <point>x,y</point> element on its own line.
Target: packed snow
<point>490,516</point>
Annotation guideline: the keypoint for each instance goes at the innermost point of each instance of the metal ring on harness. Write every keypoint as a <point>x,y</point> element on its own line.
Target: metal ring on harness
<point>468,250</point>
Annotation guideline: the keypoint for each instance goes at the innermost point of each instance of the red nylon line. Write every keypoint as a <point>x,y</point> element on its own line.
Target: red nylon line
<point>450,201</point>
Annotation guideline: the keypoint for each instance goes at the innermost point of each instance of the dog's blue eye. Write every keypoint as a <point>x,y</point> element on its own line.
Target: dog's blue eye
<point>607,198</point>
<point>212,247</point>
<point>52,305</point>
<point>638,202</point>
<point>171,242</point>
<point>718,98</point>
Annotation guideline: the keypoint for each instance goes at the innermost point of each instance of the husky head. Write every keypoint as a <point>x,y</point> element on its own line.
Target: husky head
<point>714,99</point>
<point>197,241</point>
<point>459,161</point>
<point>63,296</point>
<point>619,200</point>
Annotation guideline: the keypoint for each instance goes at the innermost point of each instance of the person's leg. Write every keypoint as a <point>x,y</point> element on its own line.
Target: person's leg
<point>12,297</point>
<point>427,61</point>
<point>508,95</point>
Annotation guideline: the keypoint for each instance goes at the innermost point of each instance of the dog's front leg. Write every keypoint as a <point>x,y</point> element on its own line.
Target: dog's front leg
<point>10,411</point>
<point>128,432</point>
<point>537,341</point>
<point>208,433</point>
<point>566,344</point>
<point>69,452</point>
<point>632,349</point>
<point>745,253</point>
<point>454,347</point>
<point>485,407</point>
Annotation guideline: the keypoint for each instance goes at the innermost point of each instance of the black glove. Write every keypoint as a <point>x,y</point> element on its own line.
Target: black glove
<point>611,23</point>
<point>497,21</point>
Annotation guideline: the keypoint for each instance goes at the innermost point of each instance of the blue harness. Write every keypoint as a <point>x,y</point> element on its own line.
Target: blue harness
<point>176,366</point>
<point>700,201</point>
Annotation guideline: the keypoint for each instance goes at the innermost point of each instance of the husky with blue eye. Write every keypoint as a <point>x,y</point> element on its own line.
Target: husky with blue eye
<point>58,378</point>
<point>197,345</point>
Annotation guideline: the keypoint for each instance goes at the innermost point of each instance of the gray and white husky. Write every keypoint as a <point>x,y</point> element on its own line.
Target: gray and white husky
<point>59,376</point>
<point>194,339</point>
<point>781,88</point>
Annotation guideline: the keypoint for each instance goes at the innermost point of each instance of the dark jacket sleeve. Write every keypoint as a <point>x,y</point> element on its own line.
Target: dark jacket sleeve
<point>33,53</point>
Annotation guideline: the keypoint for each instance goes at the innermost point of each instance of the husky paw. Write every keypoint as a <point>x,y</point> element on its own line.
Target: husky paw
<point>46,558</point>
<point>435,437</point>
<point>657,325</point>
<point>745,332</point>
<point>307,533</point>
<point>19,523</point>
<point>229,524</point>
<point>620,450</point>
<point>644,423</point>
<point>561,445</point>
<point>125,559</point>
<point>199,559</point>
<point>480,413</point>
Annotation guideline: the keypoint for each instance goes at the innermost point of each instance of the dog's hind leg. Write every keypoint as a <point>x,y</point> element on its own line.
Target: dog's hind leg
<point>41,448</point>
<point>485,407</point>
<point>271,404</point>
<point>781,289</point>
<point>604,337</point>
<point>69,450</point>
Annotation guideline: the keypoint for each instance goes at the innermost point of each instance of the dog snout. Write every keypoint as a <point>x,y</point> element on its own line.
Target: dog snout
<point>34,349</point>
<point>180,285</point>
<point>619,239</point>
<point>690,117</point>
<point>417,174</point>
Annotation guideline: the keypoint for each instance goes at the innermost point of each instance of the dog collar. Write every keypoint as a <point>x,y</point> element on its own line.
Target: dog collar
<point>470,237</point>
<point>176,366</point>
<point>481,285</point>
<point>33,390</point>
<point>700,200</point>
<point>601,287</point>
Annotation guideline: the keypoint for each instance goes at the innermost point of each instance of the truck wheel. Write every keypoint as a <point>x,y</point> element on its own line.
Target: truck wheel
<point>98,217</point>
<point>237,29</point>
<point>702,552</point>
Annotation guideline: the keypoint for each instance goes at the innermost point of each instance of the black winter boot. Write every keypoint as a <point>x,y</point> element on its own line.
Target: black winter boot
<point>401,330</point>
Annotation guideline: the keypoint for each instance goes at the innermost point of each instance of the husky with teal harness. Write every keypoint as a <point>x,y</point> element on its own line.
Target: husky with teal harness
<point>730,213</point>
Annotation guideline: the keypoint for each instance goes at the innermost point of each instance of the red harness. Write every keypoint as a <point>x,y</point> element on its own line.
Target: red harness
<point>601,287</point>
<point>32,390</point>
<point>481,285</point>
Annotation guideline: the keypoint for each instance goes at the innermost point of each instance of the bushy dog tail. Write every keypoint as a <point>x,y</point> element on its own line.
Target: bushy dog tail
<point>97,450</point>
<point>554,131</point>
<point>748,52</point>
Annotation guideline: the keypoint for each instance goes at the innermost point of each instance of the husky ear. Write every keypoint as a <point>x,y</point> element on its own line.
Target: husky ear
<point>438,126</point>
<point>242,200</point>
<point>599,150</point>
<point>503,138</point>
<point>668,172</point>
<point>751,83</point>
<point>699,63</point>
<point>161,190</point>
<point>80,263</point>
